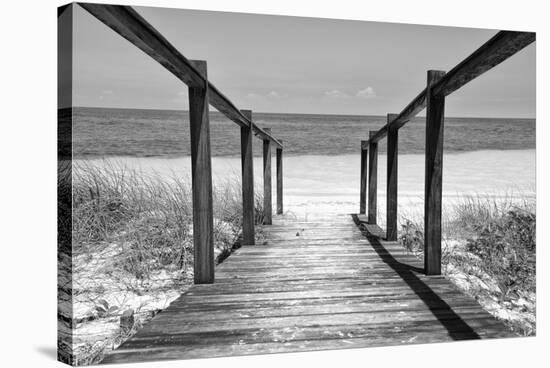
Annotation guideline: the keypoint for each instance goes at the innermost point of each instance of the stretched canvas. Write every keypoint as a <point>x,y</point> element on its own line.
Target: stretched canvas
<point>240,184</point>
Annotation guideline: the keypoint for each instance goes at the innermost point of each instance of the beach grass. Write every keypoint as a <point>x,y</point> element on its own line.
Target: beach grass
<point>132,247</point>
<point>489,251</point>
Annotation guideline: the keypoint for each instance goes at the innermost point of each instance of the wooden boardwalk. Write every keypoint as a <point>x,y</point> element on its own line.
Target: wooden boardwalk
<point>311,286</point>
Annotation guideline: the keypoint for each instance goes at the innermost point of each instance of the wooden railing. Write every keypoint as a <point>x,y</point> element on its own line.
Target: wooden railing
<point>439,85</point>
<point>129,24</point>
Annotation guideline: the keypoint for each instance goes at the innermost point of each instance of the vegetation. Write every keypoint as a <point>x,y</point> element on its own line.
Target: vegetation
<point>132,246</point>
<point>493,244</point>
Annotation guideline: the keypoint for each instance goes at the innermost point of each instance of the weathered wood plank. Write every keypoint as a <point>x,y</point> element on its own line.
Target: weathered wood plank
<point>363,180</point>
<point>293,296</point>
<point>201,176</point>
<point>496,50</point>
<point>391,182</point>
<point>167,326</point>
<point>433,177</point>
<point>281,340</point>
<point>268,207</point>
<point>373,179</point>
<point>247,168</point>
<point>279,163</point>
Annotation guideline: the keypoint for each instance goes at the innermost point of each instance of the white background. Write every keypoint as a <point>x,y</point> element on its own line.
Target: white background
<point>28,119</point>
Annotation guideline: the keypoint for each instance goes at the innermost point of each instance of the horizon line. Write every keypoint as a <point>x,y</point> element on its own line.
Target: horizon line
<point>296,113</point>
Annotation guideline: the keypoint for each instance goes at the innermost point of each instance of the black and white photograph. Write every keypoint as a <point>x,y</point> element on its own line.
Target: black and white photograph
<point>356,200</point>
<point>234,183</point>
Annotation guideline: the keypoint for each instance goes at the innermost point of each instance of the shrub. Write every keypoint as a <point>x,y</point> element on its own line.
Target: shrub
<point>506,247</point>
<point>149,215</point>
<point>412,236</point>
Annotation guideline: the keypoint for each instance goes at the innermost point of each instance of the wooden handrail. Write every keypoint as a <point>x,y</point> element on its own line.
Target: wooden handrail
<point>439,85</point>
<point>499,48</point>
<point>129,24</point>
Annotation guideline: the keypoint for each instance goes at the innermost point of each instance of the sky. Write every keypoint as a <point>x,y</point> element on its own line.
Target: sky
<point>296,65</point>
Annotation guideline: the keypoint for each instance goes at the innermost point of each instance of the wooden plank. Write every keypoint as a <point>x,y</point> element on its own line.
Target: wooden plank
<point>391,182</point>
<point>499,48</point>
<point>268,207</point>
<point>277,343</point>
<point>434,177</point>
<point>167,326</point>
<point>201,174</point>
<point>254,335</point>
<point>276,298</point>
<point>281,307</point>
<point>363,179</point>
<point>373,178</point>
<point>293,339</point>
<point>129,24</point>
<point>496,50</point>
<point>247,168</point>
<point>279,153</point>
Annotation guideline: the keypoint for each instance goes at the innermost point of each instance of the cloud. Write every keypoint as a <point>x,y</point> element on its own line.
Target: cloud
<point>270,95</point>
<point>105,93</point>
<point>366,93</point>
<point>336,94</point>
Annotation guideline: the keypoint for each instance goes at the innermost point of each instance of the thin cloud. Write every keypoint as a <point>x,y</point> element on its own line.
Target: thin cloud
<point>253,95</point>
<point>366,93</point>
<point>336,94</point>
<point>270,95</point>
<point>105,93</point>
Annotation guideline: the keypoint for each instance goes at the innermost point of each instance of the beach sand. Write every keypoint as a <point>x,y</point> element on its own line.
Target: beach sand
<point>316,187</point>
<point>320,186</point>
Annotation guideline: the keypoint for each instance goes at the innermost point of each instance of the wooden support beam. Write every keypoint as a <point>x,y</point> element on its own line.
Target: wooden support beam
<point>363,184</point>
<point>201,166</point>
<point>280,181</point>
<point>247,167</point>
<point>391,183</point>
<point>373,178</point>
<point>268,206</point>
<point>434,174</point>
<point>493,52</point>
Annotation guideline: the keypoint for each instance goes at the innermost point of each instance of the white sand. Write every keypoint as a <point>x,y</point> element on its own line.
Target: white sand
<point>319,186</point>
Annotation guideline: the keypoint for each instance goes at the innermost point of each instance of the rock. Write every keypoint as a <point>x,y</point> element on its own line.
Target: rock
<point>127,320</point>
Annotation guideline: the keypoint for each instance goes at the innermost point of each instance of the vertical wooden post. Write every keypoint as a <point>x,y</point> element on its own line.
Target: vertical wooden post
<point>247,167</point>
<point>373,177</point>
<point>279,180</point>
<point>201,166</point>
<point>391,184</point>
<point>268,206</point>
<point>363,185</point>
<point>435,106</point>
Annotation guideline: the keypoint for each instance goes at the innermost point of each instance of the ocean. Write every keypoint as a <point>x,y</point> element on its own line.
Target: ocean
<point>103,132</point>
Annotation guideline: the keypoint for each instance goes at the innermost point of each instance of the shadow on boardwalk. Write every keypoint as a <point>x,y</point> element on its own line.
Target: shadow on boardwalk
<point>312,286</point>
<point>440,309</point>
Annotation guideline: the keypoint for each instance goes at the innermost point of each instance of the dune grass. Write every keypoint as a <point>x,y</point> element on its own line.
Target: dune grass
<point>489,251</point>
<point>132,247</point>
